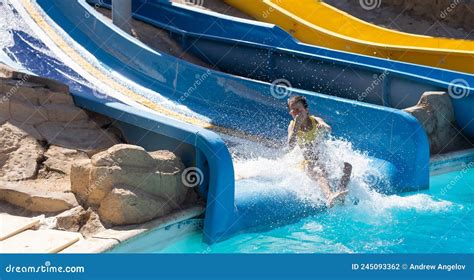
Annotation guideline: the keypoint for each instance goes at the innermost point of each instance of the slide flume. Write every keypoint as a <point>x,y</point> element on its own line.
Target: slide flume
<point>318,23</point>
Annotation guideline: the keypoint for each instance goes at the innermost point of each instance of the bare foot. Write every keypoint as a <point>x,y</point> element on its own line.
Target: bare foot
<point>337,198</point>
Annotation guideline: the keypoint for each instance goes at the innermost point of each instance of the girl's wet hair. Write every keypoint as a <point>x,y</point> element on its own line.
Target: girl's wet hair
<point>298,98</point>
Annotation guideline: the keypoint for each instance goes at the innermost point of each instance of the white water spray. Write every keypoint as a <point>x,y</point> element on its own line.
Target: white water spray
<point>272,170</point>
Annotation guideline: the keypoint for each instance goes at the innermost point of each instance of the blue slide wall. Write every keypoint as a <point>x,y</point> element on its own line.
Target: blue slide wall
<point>244,105</point>
<point>266,52</point>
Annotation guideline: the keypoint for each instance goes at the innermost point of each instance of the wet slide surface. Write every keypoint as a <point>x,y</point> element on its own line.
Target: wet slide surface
<point>317,23</point>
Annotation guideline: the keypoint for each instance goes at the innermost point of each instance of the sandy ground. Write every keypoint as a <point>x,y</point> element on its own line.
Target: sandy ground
<point>396,18</point>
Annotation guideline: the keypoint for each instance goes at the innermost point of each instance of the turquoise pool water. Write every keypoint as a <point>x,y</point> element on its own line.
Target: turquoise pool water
<point>440,220</point>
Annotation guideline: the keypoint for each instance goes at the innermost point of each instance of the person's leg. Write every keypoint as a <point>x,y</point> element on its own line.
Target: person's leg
<point>319,175</point>
<point>346,177</point>
<point>342,190</point>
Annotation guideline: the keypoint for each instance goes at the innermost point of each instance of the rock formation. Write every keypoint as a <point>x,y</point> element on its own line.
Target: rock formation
<point>42,133</point>
<point>80,220</point>
<point>436,114</point>
<point>128,184</point>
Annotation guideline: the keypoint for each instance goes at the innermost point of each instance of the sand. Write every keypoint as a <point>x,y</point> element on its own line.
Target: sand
<point>398,19</point>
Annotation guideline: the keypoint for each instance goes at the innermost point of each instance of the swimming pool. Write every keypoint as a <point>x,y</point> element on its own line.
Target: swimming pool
<point>439,220</point>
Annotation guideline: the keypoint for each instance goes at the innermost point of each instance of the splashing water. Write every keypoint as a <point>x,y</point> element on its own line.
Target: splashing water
<point>277,169</point>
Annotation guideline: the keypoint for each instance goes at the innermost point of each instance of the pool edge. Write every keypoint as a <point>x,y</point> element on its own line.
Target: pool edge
<point>106,240</point>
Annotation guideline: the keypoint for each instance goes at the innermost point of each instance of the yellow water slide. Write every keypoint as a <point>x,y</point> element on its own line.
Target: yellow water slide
<point>314,22</point>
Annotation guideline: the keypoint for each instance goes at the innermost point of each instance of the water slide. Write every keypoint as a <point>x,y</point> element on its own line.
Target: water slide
<point>177,100</point>
<point>315,22</point>
<point>265,52</point>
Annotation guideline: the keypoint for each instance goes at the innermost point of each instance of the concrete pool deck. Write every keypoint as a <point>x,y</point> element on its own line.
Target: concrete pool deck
<point>106,240</point>
<point>450,162</point>
<point>21,234</point>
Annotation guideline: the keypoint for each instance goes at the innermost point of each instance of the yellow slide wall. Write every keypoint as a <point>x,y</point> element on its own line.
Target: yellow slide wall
<point>314,22</point>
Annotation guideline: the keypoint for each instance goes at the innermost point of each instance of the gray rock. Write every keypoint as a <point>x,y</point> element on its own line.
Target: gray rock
<point>27,113</point>
<point>124,155</point>
<point>20,194</point>
<point>435,112</point>
<point>4,108</point>
<point>158,173</point>
<point>72,219</point>
<point>89,140</point>
<point>80,178</point>
<point>58,98</point>
<point>123,206</point>
<point>19,154</point>
<point>92,225</point>
<point>61,159</point>
<point>64,113</point>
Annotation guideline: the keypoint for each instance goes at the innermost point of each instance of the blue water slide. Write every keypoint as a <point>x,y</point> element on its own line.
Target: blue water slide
<point>392,137</point>
<point>266,52</point>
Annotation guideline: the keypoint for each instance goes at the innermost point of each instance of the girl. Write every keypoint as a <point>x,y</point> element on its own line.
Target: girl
<point>305,131</point>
